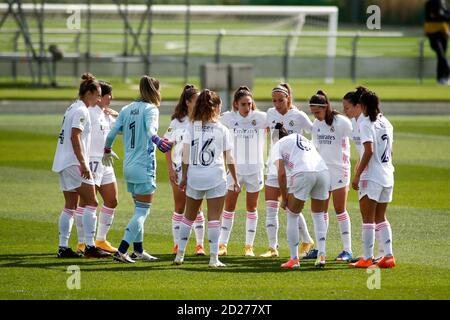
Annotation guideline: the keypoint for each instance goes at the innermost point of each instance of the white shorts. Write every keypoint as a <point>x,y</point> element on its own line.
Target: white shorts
<point>252,182</point>
<point>219,191</point>
<point>375,191</point>
<point>70,179</point>
<point>102,174</point>
<point>311,184</point>
<point>272,181</point>
<point>339,178</point>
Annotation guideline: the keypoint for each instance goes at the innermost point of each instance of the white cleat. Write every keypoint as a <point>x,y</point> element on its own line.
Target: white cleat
<point>213,263</point>
<point>144,256</point>
<point>179,258</point>
<point>123,257</point>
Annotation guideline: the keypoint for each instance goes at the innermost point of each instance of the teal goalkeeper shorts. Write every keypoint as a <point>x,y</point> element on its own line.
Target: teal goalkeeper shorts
<point>142,188</point>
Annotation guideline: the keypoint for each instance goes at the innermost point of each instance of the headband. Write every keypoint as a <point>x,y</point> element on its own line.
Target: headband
<point>318,104</point>
<point>281,89</point>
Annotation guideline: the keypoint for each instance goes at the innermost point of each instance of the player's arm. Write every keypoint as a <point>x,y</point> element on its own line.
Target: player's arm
<point>282,182</point>
<point>151,123</point>
<point>229,160</point>
<point>109,155</point>
<point>368,152</point>
<point>75,137</point>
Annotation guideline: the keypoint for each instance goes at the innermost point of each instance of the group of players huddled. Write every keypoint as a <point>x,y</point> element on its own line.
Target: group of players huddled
<point>212,155</point>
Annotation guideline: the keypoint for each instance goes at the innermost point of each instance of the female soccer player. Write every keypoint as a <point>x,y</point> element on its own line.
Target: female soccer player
<point>207,148</point>
<point>102,120</point>
<point>175,133</point>
<point>139,123</point>
<point>374,180</point>
<point>294,121</point>
<point>353,110</point>
<point>247,125</point>
<point>330,135</point>
<point>71,162</point>
<point>298,161</point>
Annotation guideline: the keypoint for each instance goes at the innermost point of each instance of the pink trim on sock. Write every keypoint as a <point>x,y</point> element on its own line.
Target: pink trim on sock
<point>177,216</point>
<point>368,226</point>
<point>92,208</point>
<point>187,221</point>
<point>200,218</point>
<point>228,215</point>
<point>343,216</point>
<point>252,215</point>
<point>272,204</point>
<point>325,216</point>
<point>79,211</point>
<point>107,210</point>
<point>383,225</point>
<point>214,224</point>
<point>69,212</point>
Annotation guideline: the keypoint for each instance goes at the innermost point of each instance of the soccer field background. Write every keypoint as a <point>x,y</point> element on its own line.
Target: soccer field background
<point>31,202</point>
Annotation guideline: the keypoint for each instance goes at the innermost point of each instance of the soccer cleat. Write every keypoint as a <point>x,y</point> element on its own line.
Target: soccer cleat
<point>175,249</point>
<point>362,263</point>
<point>215,263</point>
<point>94,252</point>
<point>377,259</point>
<point>305,247</point>
<point>270,253</point>
<point>386,262</point>
<point>105,246</point>
<point>223,249</point>
<point>81,247</point>
<point>199,250</point>
<point>65,252</point>
<point>123,257</point>
<point>320,262</point>
<point>344,256</point>
<point>144,256</point>
<point>291,264</point>
<point>248,250</point>
<point>312,254</point>
<point>179,258</point>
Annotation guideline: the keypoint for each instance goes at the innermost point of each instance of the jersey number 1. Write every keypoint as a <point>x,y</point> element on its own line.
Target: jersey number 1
<point>133,134</point>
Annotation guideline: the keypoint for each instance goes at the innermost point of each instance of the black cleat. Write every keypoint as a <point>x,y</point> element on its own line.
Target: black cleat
<point>95,252</point>
<point>65,252</point>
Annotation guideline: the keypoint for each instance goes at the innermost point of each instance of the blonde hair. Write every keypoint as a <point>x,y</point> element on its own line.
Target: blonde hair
<point>286,89</point>
<point>240,92</point>
<point>204,106</point>
<point>149,90</point>
<point>88,84</point>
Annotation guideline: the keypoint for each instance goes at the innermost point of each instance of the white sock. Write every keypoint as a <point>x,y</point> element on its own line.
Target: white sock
<point>368,237</point>
<point>213,238</point>
<point>199,228</point>
<point>303,229</point>
<point>292,233</point>
<point>105,219</point>
<point>226,227</point>
<point>272,208</point>
<point>185,231</point>
<point>379,241</point>
<point>89,224</point>
<point>79,224</point>
<point>386,237</point>
<point>65,226</point>
<point>320,229</point>
<point>345,228</point>
<point>176,219</point>
<point>327,219</point>
<point>250,227</point>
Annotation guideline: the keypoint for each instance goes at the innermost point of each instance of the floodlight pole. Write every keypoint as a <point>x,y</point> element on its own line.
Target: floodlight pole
<point>88,37</point>
<point>149,36</point>
<point>187,34</point>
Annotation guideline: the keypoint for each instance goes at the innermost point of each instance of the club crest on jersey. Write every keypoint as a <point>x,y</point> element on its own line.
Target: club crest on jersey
<point>82,119</point>
<point>169,129</point>
<point>291,123</point>
<point>332,129</point>
<point>254,122</point>
<point>236,124</point>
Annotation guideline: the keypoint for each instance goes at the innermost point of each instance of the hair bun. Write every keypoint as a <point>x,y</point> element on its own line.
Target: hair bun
<point>244,88</point>
<point>87,77</point>
<point>321,93</point>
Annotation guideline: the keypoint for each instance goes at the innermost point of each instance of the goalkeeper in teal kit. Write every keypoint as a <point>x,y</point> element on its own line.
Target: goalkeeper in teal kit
<point>138,122</point>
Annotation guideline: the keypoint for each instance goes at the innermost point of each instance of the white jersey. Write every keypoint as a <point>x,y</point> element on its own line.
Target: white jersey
<point>381,134</point>
<point>298,155</point>
<point>248,134</point>
<point>76,116</point>
<point>356,136</point>
<point>332,142</point>
<point>206,163</point>
<point>101,124</point>
<point>294,121</point>
<point>175,133</point>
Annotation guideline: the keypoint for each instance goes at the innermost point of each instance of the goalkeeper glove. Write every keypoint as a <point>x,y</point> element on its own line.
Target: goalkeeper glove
<point>163,145</point>
<point>108,157</point>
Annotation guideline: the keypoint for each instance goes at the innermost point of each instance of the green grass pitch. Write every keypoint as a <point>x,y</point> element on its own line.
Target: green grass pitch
<point>30,203</point>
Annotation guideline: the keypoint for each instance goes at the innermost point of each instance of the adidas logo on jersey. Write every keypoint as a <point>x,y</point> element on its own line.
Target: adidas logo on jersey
<point>340,181</point>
